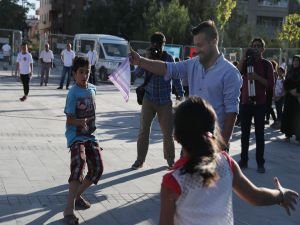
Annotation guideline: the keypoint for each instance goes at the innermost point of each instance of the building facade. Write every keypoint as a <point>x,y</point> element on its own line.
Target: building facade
<point>265,17</point>
<point>60,16</point>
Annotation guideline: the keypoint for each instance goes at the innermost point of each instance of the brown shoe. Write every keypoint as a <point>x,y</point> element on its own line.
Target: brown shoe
<point>81,203</point>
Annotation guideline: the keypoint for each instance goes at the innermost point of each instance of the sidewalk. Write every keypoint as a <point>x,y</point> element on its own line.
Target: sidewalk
<point>34,162</point>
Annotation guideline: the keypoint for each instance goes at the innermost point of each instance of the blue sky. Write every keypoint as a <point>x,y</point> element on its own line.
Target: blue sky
<point>37,4</point>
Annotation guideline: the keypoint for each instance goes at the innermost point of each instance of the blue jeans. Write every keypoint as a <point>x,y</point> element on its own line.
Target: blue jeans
<point>258,112</point>
<point>66,69</point>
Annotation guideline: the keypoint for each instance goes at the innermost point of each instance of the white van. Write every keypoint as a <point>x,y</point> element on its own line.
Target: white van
<point>112,50</point>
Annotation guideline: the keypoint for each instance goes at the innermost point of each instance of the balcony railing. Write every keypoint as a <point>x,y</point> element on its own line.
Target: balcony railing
<point>274,3</point>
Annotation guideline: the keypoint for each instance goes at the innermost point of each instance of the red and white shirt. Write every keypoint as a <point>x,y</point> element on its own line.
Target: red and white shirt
<point>198,205</point>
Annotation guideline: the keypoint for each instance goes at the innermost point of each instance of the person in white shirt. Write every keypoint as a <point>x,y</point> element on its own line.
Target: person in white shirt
<point>67,57</point>
<point>92,56</point>
<point>46,58</point>
<point>24,66</point>
<point>6,49</point>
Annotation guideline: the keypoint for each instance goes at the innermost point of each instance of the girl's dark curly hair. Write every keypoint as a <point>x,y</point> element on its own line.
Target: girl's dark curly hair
<point>196,130</point>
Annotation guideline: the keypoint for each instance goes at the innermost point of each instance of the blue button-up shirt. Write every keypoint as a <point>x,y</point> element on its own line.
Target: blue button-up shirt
<point>219,85</point>
<point>158,89</point>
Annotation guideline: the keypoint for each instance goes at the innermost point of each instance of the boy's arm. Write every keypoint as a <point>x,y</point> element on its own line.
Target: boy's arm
<point>76,122</point>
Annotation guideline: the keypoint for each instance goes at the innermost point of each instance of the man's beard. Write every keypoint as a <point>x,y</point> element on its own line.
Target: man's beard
<point>205,58</point>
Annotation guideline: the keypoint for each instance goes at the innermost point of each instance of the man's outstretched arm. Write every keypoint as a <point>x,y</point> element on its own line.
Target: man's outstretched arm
<point>155,66</point>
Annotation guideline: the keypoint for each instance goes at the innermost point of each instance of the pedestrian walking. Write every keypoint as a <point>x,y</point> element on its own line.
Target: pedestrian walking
<point>67,57</point>
<point>80,133</point>
<point>24,67</point>
<point>198,191</point>
<point>46,58</point>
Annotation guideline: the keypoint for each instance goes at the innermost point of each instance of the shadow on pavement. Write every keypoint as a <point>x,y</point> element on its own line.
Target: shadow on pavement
<point>125,126</point>
<point>44,205</point>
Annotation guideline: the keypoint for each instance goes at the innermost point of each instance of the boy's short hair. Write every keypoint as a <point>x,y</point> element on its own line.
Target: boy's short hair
<point>260,40</point>
<point>24,43</point>
<point>208,28</point>
<point>80,62</point>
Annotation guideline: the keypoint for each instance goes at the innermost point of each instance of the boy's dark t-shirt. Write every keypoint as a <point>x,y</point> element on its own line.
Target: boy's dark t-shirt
<point>80,103</point>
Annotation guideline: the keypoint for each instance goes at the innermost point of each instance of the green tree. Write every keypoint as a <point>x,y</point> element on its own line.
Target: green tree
<point>237,33</point>
<point>223,13</point>
<point>172,19</point>
<point>108,17</point>
<point>13,15</point>
<point>199,10</point>
<point>291,30</point>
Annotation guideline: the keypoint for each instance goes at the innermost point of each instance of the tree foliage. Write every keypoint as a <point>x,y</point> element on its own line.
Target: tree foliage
<point>291,30</point>
<point>13,15</point>
<point>172,19</point>
<point>199,10</point>
<point>118,17</point>
<point>223,11</point>
<point>237,33</point>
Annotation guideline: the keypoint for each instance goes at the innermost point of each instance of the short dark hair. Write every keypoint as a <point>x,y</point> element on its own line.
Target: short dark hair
<point>24,43</point>
<point>158,37</point>
<point>260,40</point>
<point>80,62</point>
<point>208,27</point>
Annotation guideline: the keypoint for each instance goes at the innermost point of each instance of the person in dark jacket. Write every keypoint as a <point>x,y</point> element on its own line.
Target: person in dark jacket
<point>290,124</point>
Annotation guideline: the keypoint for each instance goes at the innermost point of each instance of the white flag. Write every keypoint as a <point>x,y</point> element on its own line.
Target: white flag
<point>121,78</point>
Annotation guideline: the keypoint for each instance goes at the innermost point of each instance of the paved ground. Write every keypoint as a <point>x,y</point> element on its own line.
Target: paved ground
<point>34,162</point>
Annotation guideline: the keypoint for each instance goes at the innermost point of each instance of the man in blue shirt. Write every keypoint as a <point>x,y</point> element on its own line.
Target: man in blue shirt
<point>157,101</point>
<point>209,75</point>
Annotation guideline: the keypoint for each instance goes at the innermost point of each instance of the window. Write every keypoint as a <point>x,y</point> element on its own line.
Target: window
<point>85,45</point>
<point>118,50</point>
<point>101,53</point>
<point>269,21</point>
<point>273,3</point>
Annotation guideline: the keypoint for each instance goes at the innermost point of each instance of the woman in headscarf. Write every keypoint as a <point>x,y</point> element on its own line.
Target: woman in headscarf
<point>291,114</point>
